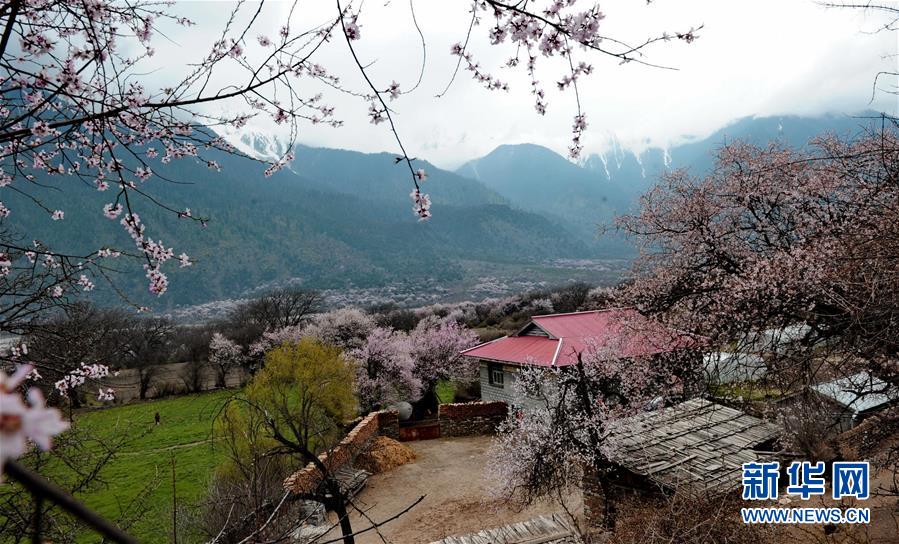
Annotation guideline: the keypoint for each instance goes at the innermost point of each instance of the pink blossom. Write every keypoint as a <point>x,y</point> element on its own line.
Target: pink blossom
<point>224,354</point>
<point>85,283</point>
<point>421,204</point>
<point>21,422</point>
<point>107,395</point>
<point>436,345</point>
<point>142,173</point>
<point>158,281</point>
<point>394,90</point>
<point>41,129</point>
<point>385,369</point>
<point>58,215</point>
<point>351,29</point>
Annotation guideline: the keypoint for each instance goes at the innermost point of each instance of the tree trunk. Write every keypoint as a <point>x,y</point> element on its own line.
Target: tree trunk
<point>346,528</point>
<point>338,504</point>
<point>610,503</point>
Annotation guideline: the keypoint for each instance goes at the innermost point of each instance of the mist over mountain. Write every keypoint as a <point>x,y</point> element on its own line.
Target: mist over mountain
<point>588,195</point>
<point>336,218</point>
<point>634,173</point>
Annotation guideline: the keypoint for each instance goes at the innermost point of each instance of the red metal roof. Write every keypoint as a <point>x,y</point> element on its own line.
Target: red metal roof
<point>536,350</point>
<point>620,332</point>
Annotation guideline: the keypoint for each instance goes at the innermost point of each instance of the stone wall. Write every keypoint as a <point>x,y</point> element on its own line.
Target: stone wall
<point>471,418</point>
<point>307,479</point>
<point>870,437</point>
<point>389,424</point>
<point>168,379</point>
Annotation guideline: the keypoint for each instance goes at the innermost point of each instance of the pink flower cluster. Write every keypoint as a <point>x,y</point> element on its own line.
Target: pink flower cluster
<point>421,204</point>
<point>23,422</point>
<point>77,377</point>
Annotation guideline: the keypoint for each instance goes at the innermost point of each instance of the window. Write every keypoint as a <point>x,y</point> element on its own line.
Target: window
<point>495,373</point>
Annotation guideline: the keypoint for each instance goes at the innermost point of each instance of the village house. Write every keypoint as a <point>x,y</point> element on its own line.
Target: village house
<point>853,399</point>
<point>556,340</point>
<point>727,367</point>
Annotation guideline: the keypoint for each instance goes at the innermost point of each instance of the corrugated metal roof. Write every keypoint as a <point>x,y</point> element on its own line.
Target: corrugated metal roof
<point>533,350</point>
<point>859,392</point>
<point>725,367</point>
<point>622,332</point>
<point>697,445</point>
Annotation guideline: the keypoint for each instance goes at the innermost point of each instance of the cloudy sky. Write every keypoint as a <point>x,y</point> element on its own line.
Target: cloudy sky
<point>760,57</point>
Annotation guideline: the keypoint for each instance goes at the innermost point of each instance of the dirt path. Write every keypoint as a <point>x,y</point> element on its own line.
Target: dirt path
<point>450,472</point>
<point>174,447</point>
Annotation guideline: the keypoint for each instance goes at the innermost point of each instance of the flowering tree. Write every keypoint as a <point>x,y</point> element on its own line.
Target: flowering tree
<point>77,347</point>
<point>346,328</point>
<point>781,244</point>
<point>799,241</point>
<point>558,435</point>
<point>384,369</point>
<point>224,355</point>
<point>436,347</point>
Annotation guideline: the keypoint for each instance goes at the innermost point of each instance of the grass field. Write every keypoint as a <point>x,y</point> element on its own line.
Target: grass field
<point>184,433</point>
<point>446,391</point>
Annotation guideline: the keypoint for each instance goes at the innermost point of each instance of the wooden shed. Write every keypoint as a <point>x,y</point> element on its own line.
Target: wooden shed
<point>697,445</point>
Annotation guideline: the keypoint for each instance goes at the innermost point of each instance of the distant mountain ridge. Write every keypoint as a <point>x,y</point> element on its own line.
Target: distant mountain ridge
<point>588,195</point>
<point>336,218</point>
<point>345,219</point>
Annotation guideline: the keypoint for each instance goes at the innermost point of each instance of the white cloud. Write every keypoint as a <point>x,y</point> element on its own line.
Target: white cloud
<point>753,58</point>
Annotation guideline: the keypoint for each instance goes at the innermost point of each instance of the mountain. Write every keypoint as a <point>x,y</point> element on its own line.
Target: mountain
<point>635,173</point>
<point>334,218</point>
<point>537,179</point>
<point>582,196</point>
